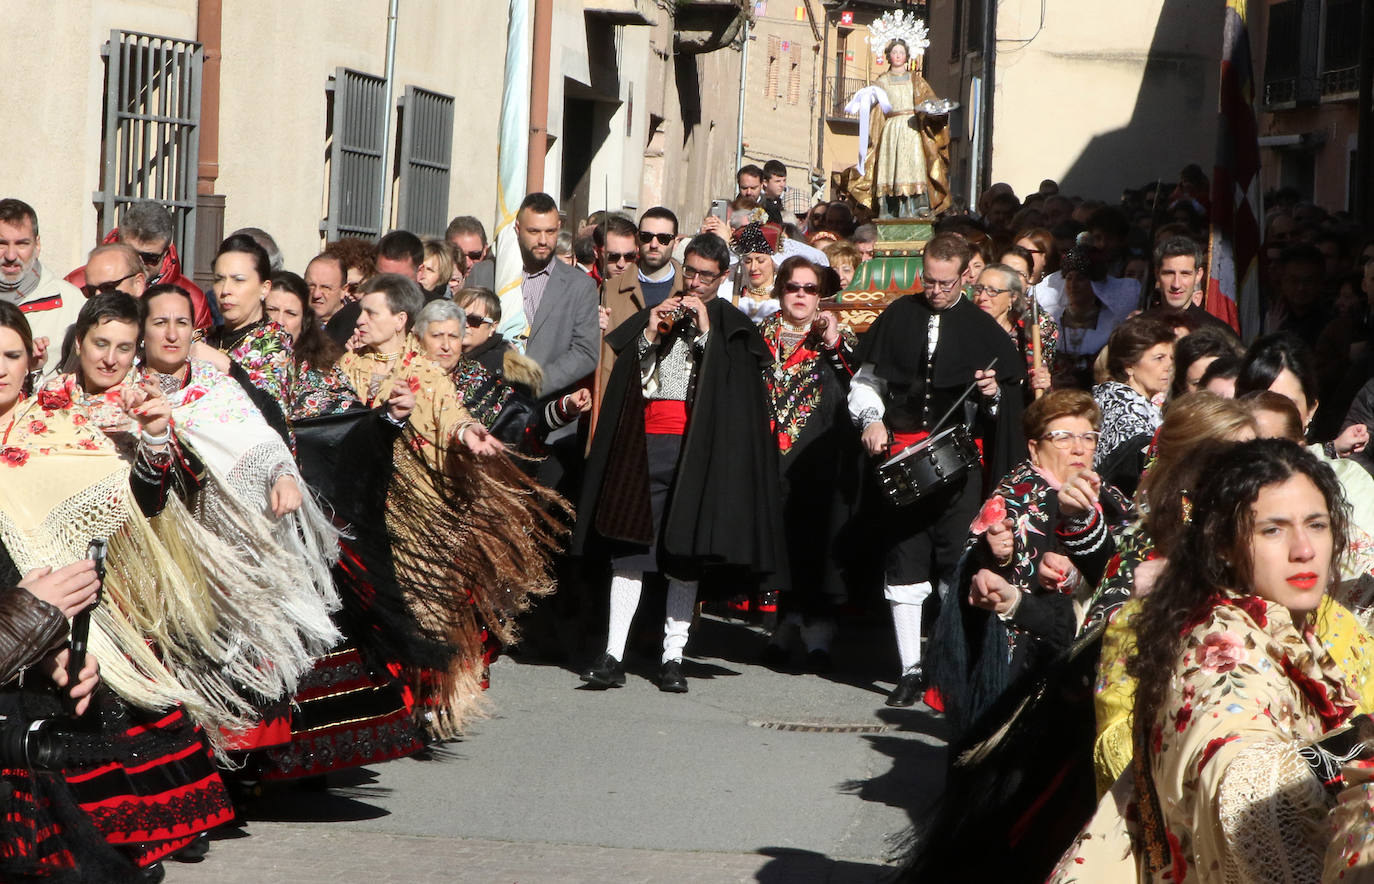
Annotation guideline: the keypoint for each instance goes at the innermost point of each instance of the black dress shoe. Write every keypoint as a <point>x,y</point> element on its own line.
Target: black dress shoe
<point>909,689</point>
<point>818,660</point>
<point>153,874</point>
<point>606,672</point>
<point>195,851</point>
<point>670,678</point>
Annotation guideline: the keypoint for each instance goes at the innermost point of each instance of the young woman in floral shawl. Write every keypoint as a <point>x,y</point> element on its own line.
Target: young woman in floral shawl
<point>470,534</point>
<point>1241,769</point>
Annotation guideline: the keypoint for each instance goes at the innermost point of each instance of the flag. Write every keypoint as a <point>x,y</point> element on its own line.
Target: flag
<point>800,13</point>
<point>1234,228</point>
<point>511,164</point>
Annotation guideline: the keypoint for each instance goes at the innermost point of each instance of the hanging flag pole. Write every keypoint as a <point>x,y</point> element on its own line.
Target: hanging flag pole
<point>1233,240</point>
<point>512,157</point>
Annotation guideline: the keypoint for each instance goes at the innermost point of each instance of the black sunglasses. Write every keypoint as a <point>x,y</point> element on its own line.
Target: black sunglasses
<point>475,321</point>
<point>663,238</point>
<point>106,288</point>
<point>151,259</point>
<point>475,256</point>
<point>617,257</point>
<point>793,287</point>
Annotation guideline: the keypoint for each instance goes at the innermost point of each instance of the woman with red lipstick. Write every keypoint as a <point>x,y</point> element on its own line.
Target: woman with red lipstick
<point>1008,608</point>
<point>808,383</point>
<point>756,244</point>
<point>1241,770</point>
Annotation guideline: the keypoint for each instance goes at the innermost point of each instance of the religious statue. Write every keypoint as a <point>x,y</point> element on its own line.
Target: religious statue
<point>907,157</point>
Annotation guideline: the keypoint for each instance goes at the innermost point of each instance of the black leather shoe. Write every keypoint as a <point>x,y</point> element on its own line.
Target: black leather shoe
<point>606,672</point>
<point>153,874</point>
<point>818,660</point>
<point>909,689</point>
<point>670,678</point>
<point>195,851</point>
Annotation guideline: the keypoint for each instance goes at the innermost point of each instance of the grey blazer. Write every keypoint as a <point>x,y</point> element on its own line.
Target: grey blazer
<point>564,334</point>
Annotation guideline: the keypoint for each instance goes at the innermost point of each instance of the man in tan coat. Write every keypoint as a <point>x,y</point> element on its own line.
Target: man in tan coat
<point>653,280</point>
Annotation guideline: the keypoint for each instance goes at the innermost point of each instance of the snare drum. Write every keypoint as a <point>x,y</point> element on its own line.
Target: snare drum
<point>929,466</point>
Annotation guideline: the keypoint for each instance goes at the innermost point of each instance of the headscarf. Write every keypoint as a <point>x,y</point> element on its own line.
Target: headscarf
<point>757,239</point>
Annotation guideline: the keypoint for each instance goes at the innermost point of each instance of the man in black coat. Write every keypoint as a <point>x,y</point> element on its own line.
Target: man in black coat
<point>682,478</point>
<point>916,360</point>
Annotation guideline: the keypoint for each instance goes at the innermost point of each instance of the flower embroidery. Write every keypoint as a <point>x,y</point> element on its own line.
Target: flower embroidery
<point>1213,745</point>
<point>1184,716</point>
<point>1221,652</point>
<point>37,427</point>
<point>1255,607</point>
<point>54,399</point>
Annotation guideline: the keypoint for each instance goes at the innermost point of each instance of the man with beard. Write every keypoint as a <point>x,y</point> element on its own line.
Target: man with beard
<point>49,304</point>
<point>656,278</point>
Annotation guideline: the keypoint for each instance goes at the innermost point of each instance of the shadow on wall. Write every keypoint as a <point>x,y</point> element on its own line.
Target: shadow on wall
<point>1174,119</point>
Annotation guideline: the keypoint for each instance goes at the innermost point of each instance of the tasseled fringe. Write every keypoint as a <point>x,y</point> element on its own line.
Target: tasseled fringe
<point>472,547</point>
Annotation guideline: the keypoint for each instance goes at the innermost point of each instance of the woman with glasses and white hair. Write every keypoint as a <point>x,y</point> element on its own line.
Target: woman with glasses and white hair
<point>1000,292</point>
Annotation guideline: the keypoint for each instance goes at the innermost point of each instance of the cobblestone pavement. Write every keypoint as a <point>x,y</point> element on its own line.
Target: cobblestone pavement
<point>754,775</point>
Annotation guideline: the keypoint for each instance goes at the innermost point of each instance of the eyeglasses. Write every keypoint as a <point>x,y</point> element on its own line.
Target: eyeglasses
<point>617,257</point>
<point>151,259</point>
<point>475,256</point>
<point>663,238</point>
<point>793,287</point>
<point>988,290</point>
<point>475,321</point>
<point>689,273</point>
<point>106,288</point>
<point>1063,439</point>
<point>933,285</point>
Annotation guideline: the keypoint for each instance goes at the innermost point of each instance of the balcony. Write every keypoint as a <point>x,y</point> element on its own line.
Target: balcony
<point>1341,83</point>
<point>1278,93</point>
<point>707,25</point>
<point>838,91</point>
<point>623,12</point>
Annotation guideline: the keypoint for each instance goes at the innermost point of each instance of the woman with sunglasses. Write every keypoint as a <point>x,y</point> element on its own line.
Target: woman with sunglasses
<point>1009,620</point>
<point>481,341</point>
<point>809,384</point>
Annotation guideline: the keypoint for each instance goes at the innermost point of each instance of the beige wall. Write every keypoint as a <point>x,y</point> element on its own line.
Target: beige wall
<point>272,115</point>
<point>1102,96</point>
<point>774,127</point>
<point>55,106</point>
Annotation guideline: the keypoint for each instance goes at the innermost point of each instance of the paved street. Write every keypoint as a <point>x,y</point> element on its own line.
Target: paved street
<point>568,785</point>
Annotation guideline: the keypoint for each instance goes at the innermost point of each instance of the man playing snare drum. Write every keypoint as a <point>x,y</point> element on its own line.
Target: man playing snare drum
<point>920,355</point>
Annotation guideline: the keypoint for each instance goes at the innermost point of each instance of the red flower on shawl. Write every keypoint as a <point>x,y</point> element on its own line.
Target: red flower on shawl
<point>1113,566</point>
<point>414,383</point>
<point>54,399</point>
<point>994,511</point>
<point>1317,695</point>
<point>79,419</point>
<point>194,393</point>
<point>1221,652</point>
<point>89,444</point>
<point>1157,739</point>
<point>1255,607</point>
<point>1180,868</point>
<point>784,442</point>
<point>1212,747</point>
<point>37,427</point>
<point>1184,716</point>
<point>14,457</point>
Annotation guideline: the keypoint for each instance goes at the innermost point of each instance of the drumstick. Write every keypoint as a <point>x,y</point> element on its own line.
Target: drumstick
<point>960,400</point>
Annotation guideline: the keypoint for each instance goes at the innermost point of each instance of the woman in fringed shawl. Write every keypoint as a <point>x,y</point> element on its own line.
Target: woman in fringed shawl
<point>270,544</point>
<point>350,709</point>
<point>471,537</point>
<point>1247,764</point>
<point>64,484</point>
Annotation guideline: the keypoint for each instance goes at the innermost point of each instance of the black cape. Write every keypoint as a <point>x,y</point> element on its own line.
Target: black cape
<point>969,339</point>
<point>724,511</point>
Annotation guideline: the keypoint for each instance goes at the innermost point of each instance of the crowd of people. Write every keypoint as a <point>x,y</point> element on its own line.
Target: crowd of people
<point>282,527</point>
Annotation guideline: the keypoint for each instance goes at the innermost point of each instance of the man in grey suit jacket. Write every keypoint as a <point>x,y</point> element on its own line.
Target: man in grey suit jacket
<point>560,301</point>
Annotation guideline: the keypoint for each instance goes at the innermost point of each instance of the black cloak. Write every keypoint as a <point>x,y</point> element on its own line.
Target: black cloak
<point>895,346</point>
<point>724,511</point>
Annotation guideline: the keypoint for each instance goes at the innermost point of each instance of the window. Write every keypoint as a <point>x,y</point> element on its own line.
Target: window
<point>770,82</point>
<point>1281,53</point>
<point>794,74</point>
<point>152,130</point>
<point>1341,48</point>
<point>358,124</point>
<point>426,155</point>
<point>973,28</point>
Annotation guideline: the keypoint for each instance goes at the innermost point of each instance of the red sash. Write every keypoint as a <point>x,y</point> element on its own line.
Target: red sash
<point>665,417</point>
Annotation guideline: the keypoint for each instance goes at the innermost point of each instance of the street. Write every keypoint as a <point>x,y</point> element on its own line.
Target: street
<point>755,775</point>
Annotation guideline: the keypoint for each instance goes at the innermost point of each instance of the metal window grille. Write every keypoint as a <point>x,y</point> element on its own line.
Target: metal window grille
<point>1281,53</point>
<point>152,130</point>
<point>426,156</point>
<point>356,164</point>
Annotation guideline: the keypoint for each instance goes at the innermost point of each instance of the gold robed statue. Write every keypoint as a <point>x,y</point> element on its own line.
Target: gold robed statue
<point>905,173</point>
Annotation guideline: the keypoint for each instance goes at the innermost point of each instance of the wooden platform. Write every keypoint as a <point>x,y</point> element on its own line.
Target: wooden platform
<point>894,271</point>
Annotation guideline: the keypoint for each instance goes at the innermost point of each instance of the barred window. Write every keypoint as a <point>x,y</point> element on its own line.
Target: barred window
<point>151,136</point>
